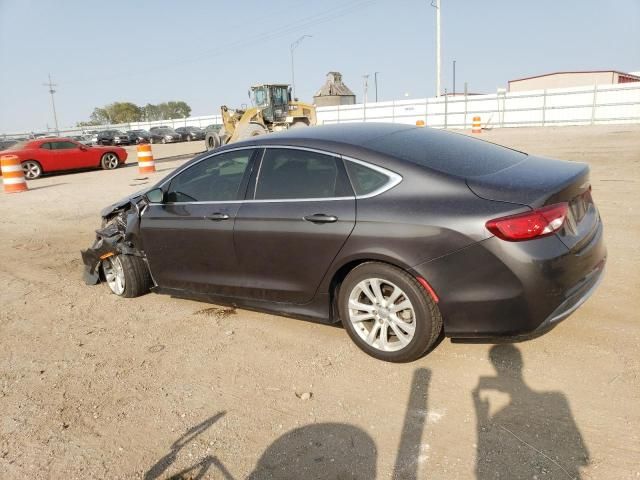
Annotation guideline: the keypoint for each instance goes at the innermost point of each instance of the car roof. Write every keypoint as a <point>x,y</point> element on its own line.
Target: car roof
<point>435,149</point>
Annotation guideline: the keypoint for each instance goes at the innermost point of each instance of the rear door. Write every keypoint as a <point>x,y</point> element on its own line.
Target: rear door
<point>188,239</point>
<point>302,212</point>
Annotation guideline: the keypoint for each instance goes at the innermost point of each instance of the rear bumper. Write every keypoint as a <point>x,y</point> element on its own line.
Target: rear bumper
<point>514,290</point>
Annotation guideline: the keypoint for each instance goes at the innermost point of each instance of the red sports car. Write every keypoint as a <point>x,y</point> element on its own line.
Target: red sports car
<point>46,155</point>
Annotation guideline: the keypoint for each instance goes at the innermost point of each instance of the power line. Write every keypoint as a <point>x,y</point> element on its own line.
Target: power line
<point>300,24</point>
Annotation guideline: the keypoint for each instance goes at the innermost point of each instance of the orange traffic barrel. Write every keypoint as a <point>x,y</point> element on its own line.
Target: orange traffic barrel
<point>12,174</point>
<point>419,123</point>
<point>145,159</point>
<point>475,126</point>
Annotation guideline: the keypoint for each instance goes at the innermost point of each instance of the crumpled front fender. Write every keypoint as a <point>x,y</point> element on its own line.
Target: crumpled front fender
<point>121,235</point>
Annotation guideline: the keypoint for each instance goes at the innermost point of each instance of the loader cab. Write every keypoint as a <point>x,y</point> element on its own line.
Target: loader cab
<point>273,100</point>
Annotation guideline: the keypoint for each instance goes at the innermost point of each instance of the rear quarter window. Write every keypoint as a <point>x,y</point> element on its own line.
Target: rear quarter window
<point>451,153</point>
<point>365,180</point>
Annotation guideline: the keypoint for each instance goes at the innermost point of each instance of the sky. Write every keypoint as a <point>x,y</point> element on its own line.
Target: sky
<point>208,53</point>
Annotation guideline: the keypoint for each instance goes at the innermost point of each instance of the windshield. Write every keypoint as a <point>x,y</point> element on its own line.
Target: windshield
<point>261,97</point>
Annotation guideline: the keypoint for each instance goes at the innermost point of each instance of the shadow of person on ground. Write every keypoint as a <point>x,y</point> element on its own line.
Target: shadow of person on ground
<point>533,436</point>
<point>322,451</point>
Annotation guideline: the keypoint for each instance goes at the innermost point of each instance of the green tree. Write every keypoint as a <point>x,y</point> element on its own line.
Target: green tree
<point>100,116</point>
<point>124,112</point>
<point>174,109</point>
<point>127,112</point>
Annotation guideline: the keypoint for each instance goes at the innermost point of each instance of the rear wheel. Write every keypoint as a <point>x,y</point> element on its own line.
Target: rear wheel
<point>127,275</point>
<point>109,161</point>
<point>212,141</point>
<point>31,169</point>
<point>164,140</point>
<point>251,130</point>
<point>387,313</point>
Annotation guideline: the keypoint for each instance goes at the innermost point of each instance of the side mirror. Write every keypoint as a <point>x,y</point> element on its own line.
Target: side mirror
<point>83,148</point>
<point>154,196</point>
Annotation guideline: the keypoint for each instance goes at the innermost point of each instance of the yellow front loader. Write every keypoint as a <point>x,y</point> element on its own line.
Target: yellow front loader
<point>273,110</point>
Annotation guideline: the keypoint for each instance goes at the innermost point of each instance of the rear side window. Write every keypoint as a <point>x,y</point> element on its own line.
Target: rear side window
<point>300,174</point>
<point>365,180</point>
<point>447,152</point>
<point>215,179</point>
<point>46,146</point>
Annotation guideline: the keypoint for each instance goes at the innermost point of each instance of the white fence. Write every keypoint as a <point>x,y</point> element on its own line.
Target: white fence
<point>598,104</point>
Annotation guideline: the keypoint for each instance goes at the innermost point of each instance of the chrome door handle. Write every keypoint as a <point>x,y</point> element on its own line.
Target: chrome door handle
<point>321,218</point>
<point>216,217</point>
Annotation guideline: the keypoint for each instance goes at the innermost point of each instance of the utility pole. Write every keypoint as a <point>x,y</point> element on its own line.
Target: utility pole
<point>375,79</point>
<point>292,47</point>
<point>438,46</point>
<point>454,78</point>
<point>53,103</point>
<point>366,88</point>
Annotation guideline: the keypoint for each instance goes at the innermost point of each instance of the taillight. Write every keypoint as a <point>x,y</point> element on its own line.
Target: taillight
<point>525,226</point>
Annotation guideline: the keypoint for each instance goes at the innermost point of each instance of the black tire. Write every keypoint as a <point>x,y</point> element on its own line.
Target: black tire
<point>251,130</point>
<point>164,140</point>
<point>212,141</point>
<point>428,320</point>
<point>31,169</point>
<point>189,138</point>
<point>137,280</point>
<point>151,140</point>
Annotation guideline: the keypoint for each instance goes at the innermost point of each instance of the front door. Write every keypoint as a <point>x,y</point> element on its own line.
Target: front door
<point>302,212</point>
<point>188,239</point>
<point>67,155</point>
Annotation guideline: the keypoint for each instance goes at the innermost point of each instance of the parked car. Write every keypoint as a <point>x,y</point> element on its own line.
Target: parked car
<point>138,136</point>
<point>190,133</point>
<point>164,135</point>
<point>45,155</point>
<point>401,233</point>
<point>84,139</point>
<point>6,144</point>
<point>213,128</point>
<point>112,137</point>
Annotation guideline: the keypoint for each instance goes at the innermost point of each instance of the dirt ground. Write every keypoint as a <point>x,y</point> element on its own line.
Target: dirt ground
<point>94,386</point>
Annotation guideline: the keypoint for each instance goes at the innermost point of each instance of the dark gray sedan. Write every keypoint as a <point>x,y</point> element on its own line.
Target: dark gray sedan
<point>403,234</point>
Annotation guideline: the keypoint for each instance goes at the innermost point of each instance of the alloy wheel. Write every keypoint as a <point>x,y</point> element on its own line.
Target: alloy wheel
<point>110,161</point>
<point>382,314</point>
<point>32,170</point>
<point>114,274</point>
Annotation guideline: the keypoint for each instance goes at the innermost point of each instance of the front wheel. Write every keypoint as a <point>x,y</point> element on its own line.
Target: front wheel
<point>31,169</point>
<point>127,275</point>
<point>109,161</point>
<point>387,313</point>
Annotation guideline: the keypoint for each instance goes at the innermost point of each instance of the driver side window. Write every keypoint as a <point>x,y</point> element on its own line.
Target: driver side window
<point>215,179</point>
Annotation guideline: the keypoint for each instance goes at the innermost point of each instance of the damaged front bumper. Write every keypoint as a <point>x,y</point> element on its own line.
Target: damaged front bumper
<point>120,235</point>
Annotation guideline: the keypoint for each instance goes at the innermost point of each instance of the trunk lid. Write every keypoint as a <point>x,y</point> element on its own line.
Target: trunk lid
<point>536,182</point>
